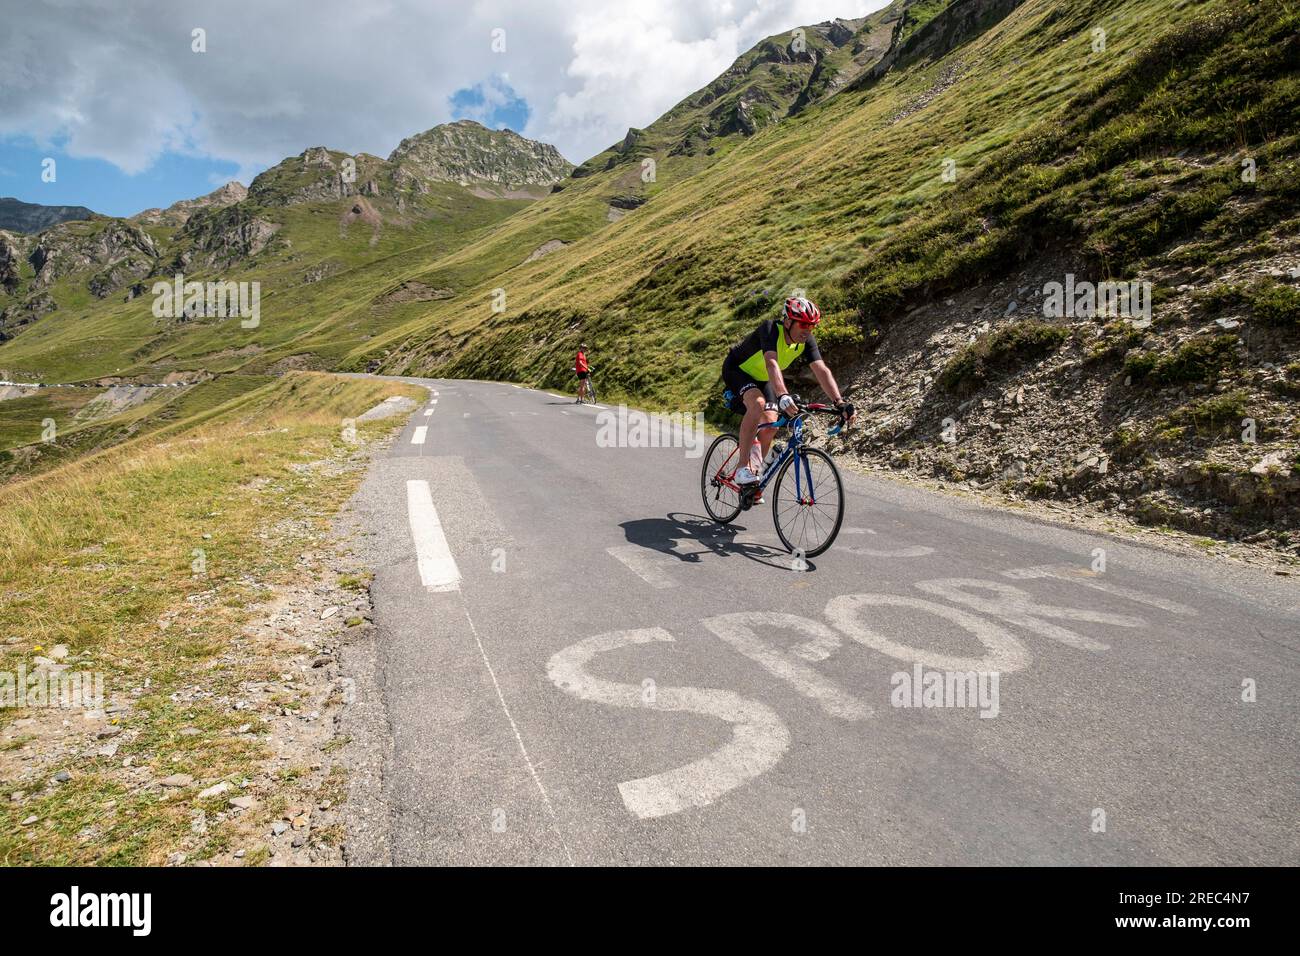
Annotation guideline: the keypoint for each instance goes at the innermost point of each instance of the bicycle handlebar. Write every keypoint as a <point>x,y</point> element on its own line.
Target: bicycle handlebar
<point>803,408</point>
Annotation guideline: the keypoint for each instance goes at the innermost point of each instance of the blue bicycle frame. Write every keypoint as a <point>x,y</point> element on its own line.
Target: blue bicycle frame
<point>801,475</point>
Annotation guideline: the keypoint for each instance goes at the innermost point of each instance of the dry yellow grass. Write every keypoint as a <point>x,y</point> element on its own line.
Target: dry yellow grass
<point>145,562</point>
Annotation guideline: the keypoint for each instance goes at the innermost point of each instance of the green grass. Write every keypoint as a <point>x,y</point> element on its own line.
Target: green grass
<point>1115,341</point>
<point>920,13</point>
<point>22,420</point>
<point>1217,415</point>
<point>87,337</point>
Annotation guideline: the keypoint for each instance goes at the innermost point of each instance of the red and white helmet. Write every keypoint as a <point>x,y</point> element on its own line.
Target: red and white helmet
<point>801,310</point>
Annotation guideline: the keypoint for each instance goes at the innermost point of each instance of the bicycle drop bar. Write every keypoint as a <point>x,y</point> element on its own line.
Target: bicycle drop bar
<point>803,409</point>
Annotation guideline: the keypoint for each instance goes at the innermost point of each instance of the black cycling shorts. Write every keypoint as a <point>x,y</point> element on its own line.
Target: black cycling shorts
<point>738,382</point>
<point>582,374</point>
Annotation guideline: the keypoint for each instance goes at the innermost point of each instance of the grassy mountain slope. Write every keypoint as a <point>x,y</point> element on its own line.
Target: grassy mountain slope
<point>802,204</point>
<point>317,231</point>
<point>1166,153</point>
<point>321,259</point>
<point>22,450</point>
<point>777,78</point>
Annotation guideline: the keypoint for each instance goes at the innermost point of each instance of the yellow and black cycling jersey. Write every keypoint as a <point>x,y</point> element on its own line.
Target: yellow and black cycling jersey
<point>748,356</point>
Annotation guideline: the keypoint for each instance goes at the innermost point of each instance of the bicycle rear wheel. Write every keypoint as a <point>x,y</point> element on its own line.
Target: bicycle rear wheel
<point>722,503</point>
<point>808,502</point>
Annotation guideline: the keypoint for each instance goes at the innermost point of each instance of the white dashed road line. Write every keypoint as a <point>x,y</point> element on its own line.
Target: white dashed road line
<point>438,570</point>
<point>418,437</point>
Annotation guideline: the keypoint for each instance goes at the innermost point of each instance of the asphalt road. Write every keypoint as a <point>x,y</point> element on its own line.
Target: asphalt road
<point>573,665</point>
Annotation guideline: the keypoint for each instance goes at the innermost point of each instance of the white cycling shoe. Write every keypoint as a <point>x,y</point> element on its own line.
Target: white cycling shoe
<point>746,477</point>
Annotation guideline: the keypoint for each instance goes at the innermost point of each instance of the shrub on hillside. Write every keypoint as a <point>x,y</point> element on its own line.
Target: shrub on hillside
<point>1000,351</point>
<point>1275,304</point>
<point>1199,359</point>
<point>1270,302</point>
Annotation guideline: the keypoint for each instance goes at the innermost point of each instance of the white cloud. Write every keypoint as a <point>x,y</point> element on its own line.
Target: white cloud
<point>118,81</point>
<point>632,62</point>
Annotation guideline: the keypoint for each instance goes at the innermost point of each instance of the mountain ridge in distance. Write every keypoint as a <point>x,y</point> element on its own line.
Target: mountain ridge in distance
<point>30,217</point>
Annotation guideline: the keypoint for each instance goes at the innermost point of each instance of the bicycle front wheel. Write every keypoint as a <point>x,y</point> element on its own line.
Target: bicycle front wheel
<point>720,501</point>
<point>808,503</point>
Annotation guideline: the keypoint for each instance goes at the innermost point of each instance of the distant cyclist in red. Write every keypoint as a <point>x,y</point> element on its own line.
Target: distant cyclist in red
<point>583,371</point>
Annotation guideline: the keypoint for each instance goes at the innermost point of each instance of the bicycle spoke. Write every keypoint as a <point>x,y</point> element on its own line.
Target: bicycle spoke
<point>821,533</point>
<point>792,507</point>
<point>802,537</point>
<point>803,520</point>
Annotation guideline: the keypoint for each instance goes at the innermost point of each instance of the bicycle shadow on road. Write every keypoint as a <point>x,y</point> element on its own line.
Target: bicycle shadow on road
<point>677,532</point>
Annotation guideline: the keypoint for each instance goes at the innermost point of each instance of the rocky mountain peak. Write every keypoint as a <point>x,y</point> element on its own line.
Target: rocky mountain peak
<point>178,213</point>
<point>470,154</point>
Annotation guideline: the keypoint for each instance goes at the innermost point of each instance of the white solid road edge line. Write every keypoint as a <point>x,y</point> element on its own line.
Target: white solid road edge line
<point>438,571</point>
<point>420,432</point>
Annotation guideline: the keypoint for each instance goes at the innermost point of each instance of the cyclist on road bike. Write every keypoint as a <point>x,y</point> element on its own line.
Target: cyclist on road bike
<point>752,373</point>
<point>583,371</point>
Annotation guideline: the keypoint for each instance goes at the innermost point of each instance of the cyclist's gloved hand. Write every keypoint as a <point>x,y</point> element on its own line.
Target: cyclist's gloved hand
<point>785,403</point>
<point>847,412</point>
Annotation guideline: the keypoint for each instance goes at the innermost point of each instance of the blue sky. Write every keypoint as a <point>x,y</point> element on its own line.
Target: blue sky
<point>494,104</point>
<point>102,186</point>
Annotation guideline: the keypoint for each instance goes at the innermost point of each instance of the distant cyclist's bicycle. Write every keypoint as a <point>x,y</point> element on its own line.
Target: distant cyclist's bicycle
<point>808,498</point>
<point>590,397</point>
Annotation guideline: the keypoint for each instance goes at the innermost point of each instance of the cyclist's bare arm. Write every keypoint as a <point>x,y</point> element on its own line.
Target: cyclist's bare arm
<point>826,379</point>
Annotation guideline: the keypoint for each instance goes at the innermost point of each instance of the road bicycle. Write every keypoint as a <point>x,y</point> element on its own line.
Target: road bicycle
<point>808,496</point>
<point>591,391</point>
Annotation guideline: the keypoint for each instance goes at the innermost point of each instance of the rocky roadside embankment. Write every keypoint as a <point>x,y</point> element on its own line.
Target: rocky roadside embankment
<point>1186,424</point>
